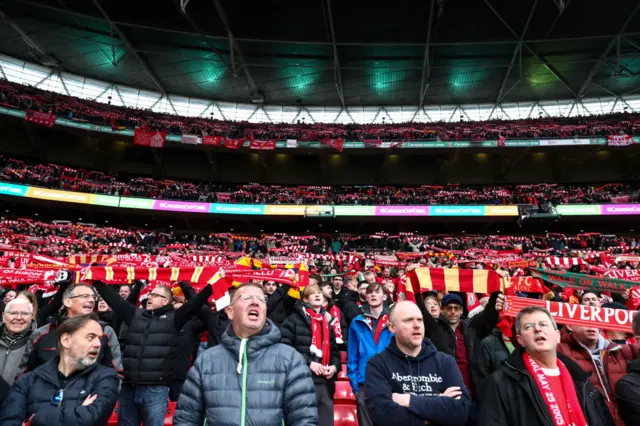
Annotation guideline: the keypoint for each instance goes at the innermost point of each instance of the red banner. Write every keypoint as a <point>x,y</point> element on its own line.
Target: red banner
<point>620,140</point>
<point>624,274</point>
<point>234,143</point>
<point>150,138</point>
<point>575,314</point>
<point>372,142</point>
<point>25,276</point>
<point>212,140</point>
<point>44,118</point>
<point>190,139</point>
<point>335,143</point>
<point>501,141</point>
<point>262,145</point>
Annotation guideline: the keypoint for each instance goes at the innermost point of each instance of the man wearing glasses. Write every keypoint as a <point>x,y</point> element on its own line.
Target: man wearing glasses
<point>250,378</point>
<point>17,325</point>
<point>70,389</point>
<point>79,299</point>
<point>150,356</point>
<point>538,385</point>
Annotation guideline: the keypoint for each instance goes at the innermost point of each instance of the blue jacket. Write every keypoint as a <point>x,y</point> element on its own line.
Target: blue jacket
<point>31,395</point>
<point>361,347</point>
<point>425,377</point>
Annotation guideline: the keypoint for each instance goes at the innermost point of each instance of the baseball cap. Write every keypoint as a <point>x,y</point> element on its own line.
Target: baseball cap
<point>451,298</point>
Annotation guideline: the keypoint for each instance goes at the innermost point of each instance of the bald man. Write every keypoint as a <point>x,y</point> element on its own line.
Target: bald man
<point>410,382</point>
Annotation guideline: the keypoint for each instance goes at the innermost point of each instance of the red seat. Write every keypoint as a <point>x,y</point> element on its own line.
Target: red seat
<point>345,415</point>
<point>113,420</point>
<point>343,357</point>
<point>342,375</point>
<point>344,394</point>
<point>171,409</point>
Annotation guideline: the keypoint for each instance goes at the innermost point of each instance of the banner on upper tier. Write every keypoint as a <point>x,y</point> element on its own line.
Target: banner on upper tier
<point>575,314</point>
<point>17,190</point>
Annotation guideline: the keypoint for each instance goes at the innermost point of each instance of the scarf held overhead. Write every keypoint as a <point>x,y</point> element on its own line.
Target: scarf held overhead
<point>461,280</point>
<point>569,279</point>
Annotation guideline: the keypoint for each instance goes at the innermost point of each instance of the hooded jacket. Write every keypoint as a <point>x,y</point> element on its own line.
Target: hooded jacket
<point>513,398</point>
<point>361,346</point>
<point>32,393</point>
<point>425,377</point>
<point>248,382</point>
<point>628,395</point>
<point>613,357</point>
<point>41,347</point>
<point>493,352</point>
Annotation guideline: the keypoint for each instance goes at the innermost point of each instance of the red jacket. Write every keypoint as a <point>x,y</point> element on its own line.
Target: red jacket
<point>614,359</point>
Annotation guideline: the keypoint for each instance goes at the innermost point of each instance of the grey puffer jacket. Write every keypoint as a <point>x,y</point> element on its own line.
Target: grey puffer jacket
<point>248,382</point>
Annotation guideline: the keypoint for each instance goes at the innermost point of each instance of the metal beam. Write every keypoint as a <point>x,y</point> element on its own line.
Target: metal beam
<point>426,64</point>
<point>145,66</point>
<point>234,44</point>
<point>515,54</point>
<point>25,37</point>
<point>336,62</point>
<point>606,52</point>
<point>540,58</point>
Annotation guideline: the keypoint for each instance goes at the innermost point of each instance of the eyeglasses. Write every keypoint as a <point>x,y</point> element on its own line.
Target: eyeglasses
<point>84,297</point>
<point>157,295</point>
<point>529,326</point>
<point>18,314</point>
<point>57,398</point>
<point>453,308</point>
<point>250,297</point>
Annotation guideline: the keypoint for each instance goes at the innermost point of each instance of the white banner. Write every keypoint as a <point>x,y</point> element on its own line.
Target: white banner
<point>190,139</point>
<point>564,142</point>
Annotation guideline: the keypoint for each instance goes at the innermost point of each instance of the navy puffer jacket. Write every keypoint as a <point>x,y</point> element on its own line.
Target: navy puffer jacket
<point>248,382</point>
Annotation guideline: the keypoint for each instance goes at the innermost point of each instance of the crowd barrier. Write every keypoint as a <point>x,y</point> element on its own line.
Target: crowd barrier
<point>34,192</point>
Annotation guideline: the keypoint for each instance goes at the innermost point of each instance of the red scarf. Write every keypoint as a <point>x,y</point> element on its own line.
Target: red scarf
<point>337,329</point>
<point>320,344</point>
<point>382,323</point>
<point>505,325</point>
<point>576,416</point>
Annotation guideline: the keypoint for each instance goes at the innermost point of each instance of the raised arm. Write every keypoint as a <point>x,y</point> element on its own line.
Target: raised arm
<point>123,308</point>
<point>191,308</point>
<point>135,292</point>
<point>54,304</point>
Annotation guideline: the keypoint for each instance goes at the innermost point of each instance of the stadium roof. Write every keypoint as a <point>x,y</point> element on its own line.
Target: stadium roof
<point>337,53</point>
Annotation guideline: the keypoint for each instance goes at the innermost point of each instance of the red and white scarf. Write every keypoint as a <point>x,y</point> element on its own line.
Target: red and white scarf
<point>576,416</point>
<point>320,336</point>
<point>382,323</point>
<point>335,313</point>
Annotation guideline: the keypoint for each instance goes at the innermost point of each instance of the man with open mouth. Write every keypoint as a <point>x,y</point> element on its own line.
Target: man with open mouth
<point>538,385</point>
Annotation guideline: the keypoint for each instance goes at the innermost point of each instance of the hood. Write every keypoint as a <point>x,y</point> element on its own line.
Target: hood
<point>366,309</point>
<point>428,350</point>
<point>516,362</point>
<point>602,344</point>
<point>633,366</point>
<point>269,336</point>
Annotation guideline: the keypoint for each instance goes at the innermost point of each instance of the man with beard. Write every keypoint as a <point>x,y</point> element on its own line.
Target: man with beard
<point>77,300</point>
<point>538,386</point>
<point>72,388</point>
<point>410,382</point>
<point>250,378</point>
<point>17,325</point>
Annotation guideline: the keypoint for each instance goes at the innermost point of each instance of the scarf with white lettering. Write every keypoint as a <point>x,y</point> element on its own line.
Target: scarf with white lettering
<point>337,328</point>
<point>320,337</point>
<point>576,416</point>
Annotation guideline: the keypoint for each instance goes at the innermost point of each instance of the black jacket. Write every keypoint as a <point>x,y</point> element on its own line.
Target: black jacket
<point>343,298</point>
<point>491,355</point>
<point>354,309</point>
<point>31,395</point>
<point>512,397</point>
<point>280,304</point>
<point>296,332</point>
<point>628,395</point>
<point>151,354</point>
<point>425,377</point>
<point>215,323</point>
<point>439,331</point>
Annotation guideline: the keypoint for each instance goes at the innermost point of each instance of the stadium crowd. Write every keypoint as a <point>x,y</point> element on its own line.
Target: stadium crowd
<point>354,342</point>
<point>80,180</point>
<point>15,95</point>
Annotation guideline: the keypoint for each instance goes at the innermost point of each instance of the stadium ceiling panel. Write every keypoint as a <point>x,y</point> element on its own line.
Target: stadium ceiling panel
<point>326,60</point>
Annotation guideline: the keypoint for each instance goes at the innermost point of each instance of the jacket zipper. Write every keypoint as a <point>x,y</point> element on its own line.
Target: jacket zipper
<point>543,410</point>
<point>243,413</point>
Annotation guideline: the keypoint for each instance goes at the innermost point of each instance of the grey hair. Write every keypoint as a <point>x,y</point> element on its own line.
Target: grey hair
<point>530,310</point>
<point>18,300</point>
<point>70,290</point>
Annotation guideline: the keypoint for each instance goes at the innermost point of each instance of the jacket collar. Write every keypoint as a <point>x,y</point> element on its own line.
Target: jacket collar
<point>49,370</point>
<point>516,362</point>
<point>160,311</point>
<point>269,336</point>
<point>427,350</point>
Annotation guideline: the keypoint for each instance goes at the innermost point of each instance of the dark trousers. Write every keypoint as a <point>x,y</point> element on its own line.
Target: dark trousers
<point>175,388</point>
<point>324,401</point>
<point>363,414</point>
